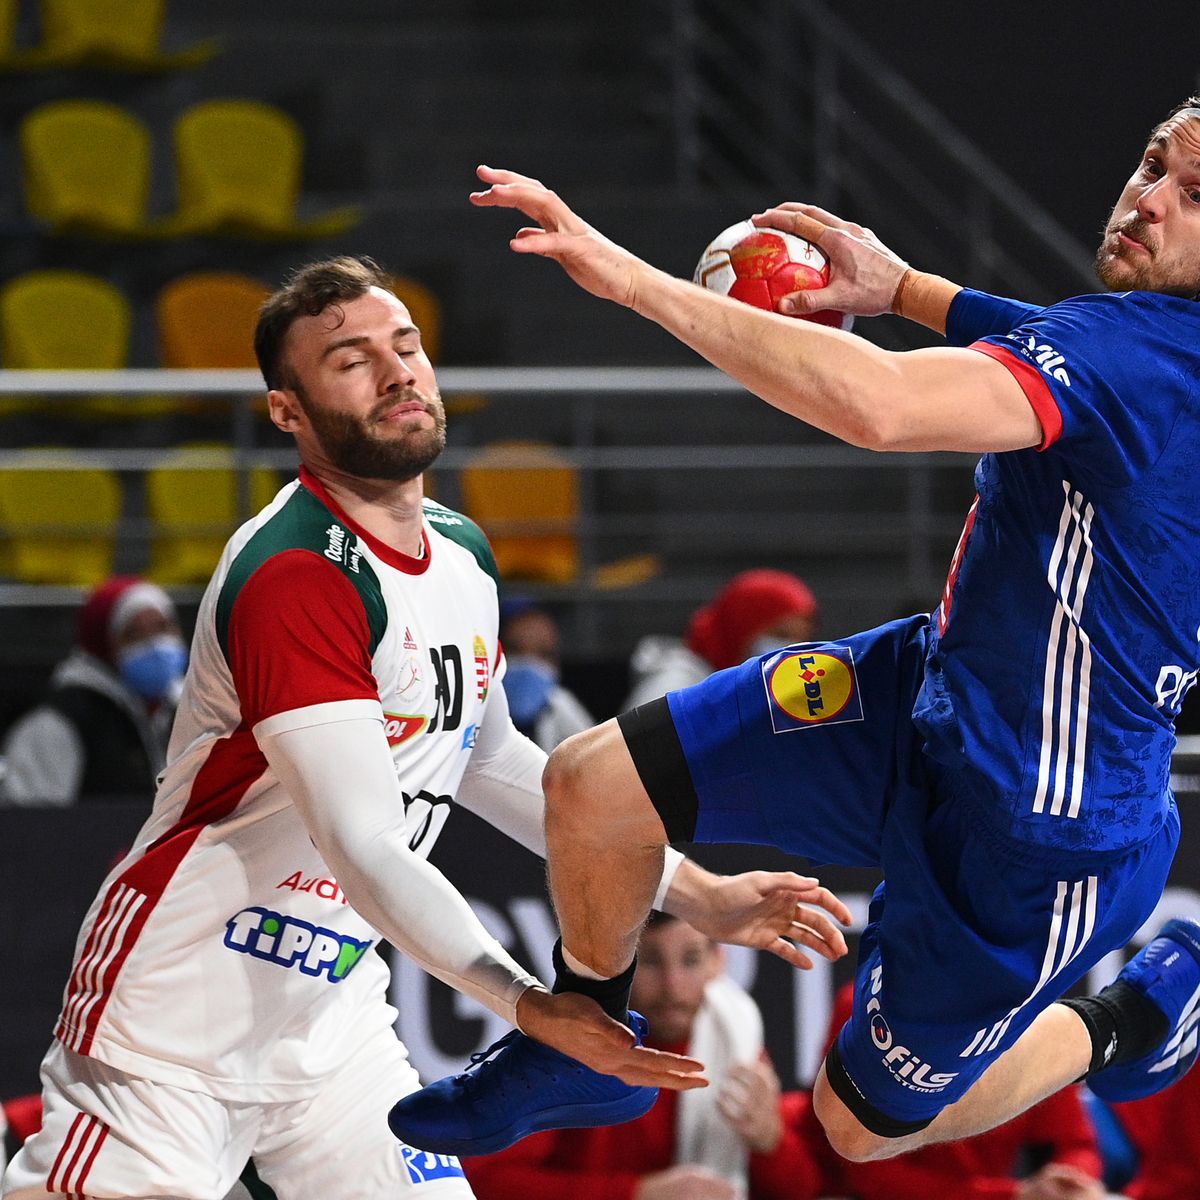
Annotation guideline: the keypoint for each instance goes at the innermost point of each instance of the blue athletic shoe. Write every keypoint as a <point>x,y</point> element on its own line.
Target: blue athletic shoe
<point>514,1088</point>
<point>1167,972</point>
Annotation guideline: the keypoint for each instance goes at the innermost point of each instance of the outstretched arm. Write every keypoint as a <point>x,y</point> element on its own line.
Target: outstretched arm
<point>938,399</point>
<point>340,776</point>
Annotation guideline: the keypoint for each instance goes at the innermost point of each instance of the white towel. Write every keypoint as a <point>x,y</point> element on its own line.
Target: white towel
<point>728,1031</point>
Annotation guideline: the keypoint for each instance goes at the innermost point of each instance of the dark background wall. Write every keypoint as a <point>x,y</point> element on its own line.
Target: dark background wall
<point>1061,96</point>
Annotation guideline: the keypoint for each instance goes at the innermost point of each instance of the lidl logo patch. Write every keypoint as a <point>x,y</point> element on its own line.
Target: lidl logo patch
<point>423,1167</point>
<point>290,942</point>
<point>812,687</point>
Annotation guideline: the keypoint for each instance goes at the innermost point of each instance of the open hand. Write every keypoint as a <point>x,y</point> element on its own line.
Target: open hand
<point>598,265</point>
<point>863,273</point>
<point>577,1026</point>
<point>778,911</point>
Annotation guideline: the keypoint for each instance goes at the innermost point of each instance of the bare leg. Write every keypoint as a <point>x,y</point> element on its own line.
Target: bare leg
<point>604,842</point>
<point>1053,1052</point>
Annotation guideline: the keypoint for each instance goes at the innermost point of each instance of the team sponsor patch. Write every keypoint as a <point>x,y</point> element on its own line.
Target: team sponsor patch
<point>289,942</point>
<point>399,727</point>
<point>423,1167</point>
<point>811,687</point>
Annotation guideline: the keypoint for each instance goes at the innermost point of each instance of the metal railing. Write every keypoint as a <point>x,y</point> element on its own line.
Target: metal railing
<point>714,483</point>
<point>785,101</point>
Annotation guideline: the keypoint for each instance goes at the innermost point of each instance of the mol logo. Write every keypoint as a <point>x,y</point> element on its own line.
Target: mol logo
<point>399,727</point>
<point>290,942</point>
<point>811,687</point>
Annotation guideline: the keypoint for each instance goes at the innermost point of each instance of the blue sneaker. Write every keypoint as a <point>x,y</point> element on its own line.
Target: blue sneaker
<point>1167,972</point>
<point>514,1088</point>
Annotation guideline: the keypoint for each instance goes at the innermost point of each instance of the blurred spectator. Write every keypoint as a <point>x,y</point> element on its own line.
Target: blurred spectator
<point>1163,1129</point>
<point>20,1118</point>
<point>541,707</point>
<point>723,1142</point>
<point>1048,1152</point>
<point>753,613</point>
<point>101,730</point>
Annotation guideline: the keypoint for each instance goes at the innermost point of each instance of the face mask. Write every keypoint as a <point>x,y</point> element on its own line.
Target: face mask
<point>154,665</point>
<point>765,644</point>
<point>528,683</point>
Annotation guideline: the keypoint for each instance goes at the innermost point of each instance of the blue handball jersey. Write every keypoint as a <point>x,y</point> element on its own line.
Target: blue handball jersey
<point>1067,635</point>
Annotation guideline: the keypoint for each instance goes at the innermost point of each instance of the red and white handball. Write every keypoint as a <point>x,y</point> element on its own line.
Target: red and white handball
<point>761,266</point>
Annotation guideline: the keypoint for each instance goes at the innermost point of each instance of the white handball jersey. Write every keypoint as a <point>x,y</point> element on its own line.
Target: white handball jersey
<point>220,954</point>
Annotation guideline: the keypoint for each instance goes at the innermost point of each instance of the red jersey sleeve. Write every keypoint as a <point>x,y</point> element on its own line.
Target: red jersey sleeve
<point>298,636</point>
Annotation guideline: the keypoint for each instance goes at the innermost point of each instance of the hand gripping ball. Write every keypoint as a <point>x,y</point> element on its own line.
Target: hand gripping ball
<point>761,266</point>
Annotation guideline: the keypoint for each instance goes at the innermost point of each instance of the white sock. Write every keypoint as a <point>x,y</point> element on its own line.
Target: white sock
<point>581,969</point>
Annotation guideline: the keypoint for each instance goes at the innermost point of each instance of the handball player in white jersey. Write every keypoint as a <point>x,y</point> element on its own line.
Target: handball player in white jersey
<point>226,1003</point>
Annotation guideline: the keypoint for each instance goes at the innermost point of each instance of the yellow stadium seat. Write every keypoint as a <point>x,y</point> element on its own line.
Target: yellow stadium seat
<point>9,12</point>
<point>118,35</point>
<point>57,524</point>
<point>192,504</point>
<point>206,319</point>
<point>62,320</point>
<point>525,495</point>
<point>87,168</point>
<point>238,165</point>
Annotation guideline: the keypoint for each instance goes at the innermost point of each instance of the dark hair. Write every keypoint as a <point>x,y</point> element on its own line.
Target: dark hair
<point>1190,102</point>
<point>309,290</point>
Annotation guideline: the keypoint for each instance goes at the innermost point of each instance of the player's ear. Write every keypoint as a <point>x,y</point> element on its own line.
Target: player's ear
<point>283,407</point>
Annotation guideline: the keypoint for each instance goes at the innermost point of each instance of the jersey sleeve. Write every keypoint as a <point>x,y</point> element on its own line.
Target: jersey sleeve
<point>974,315</point>
<point>1101,373</point>
<point>299,637</point>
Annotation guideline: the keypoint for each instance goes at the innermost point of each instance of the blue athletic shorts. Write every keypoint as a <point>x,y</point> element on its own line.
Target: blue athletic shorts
<point>812,749</point>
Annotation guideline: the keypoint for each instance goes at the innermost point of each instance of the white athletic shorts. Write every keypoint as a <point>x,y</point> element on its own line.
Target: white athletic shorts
<point>108,1135</point>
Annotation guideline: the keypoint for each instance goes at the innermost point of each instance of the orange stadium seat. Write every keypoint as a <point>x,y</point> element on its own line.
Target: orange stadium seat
<point>425,309</point>
<point>238,164</point>
<point>57,522</point>
<point>525,495</point>
<point>192,503</point>
<point>206,319</point>
<point>87,168</point>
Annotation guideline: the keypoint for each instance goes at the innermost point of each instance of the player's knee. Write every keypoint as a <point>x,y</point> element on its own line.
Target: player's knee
<point>845,1133</point>
<point>569,799</point>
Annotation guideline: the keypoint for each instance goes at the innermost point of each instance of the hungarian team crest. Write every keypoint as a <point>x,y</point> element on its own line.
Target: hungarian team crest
<point>483,669</point>
<point>811,687</point>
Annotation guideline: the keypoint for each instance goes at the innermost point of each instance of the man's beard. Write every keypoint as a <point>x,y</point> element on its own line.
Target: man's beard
<point>352,445</point>
<point>1119,273</point>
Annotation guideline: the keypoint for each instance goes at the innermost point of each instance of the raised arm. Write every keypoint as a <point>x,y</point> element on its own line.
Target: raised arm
<point>939,399</point>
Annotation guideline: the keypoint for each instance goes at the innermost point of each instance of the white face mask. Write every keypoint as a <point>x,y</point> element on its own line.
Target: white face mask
<point>766,644</point>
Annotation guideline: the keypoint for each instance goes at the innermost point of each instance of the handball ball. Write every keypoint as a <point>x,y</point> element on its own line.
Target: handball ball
<point>761,266</point>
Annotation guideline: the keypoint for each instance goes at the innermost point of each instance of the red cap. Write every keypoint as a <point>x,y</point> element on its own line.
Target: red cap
<point>722,631</point>
<point>107,610</point>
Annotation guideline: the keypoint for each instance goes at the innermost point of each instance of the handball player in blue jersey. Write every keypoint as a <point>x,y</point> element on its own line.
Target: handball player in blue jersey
<point>1004,760</point>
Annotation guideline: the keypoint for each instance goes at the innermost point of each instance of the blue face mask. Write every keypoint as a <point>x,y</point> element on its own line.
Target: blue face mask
<point>528,683</point>
<point>152,667</point>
